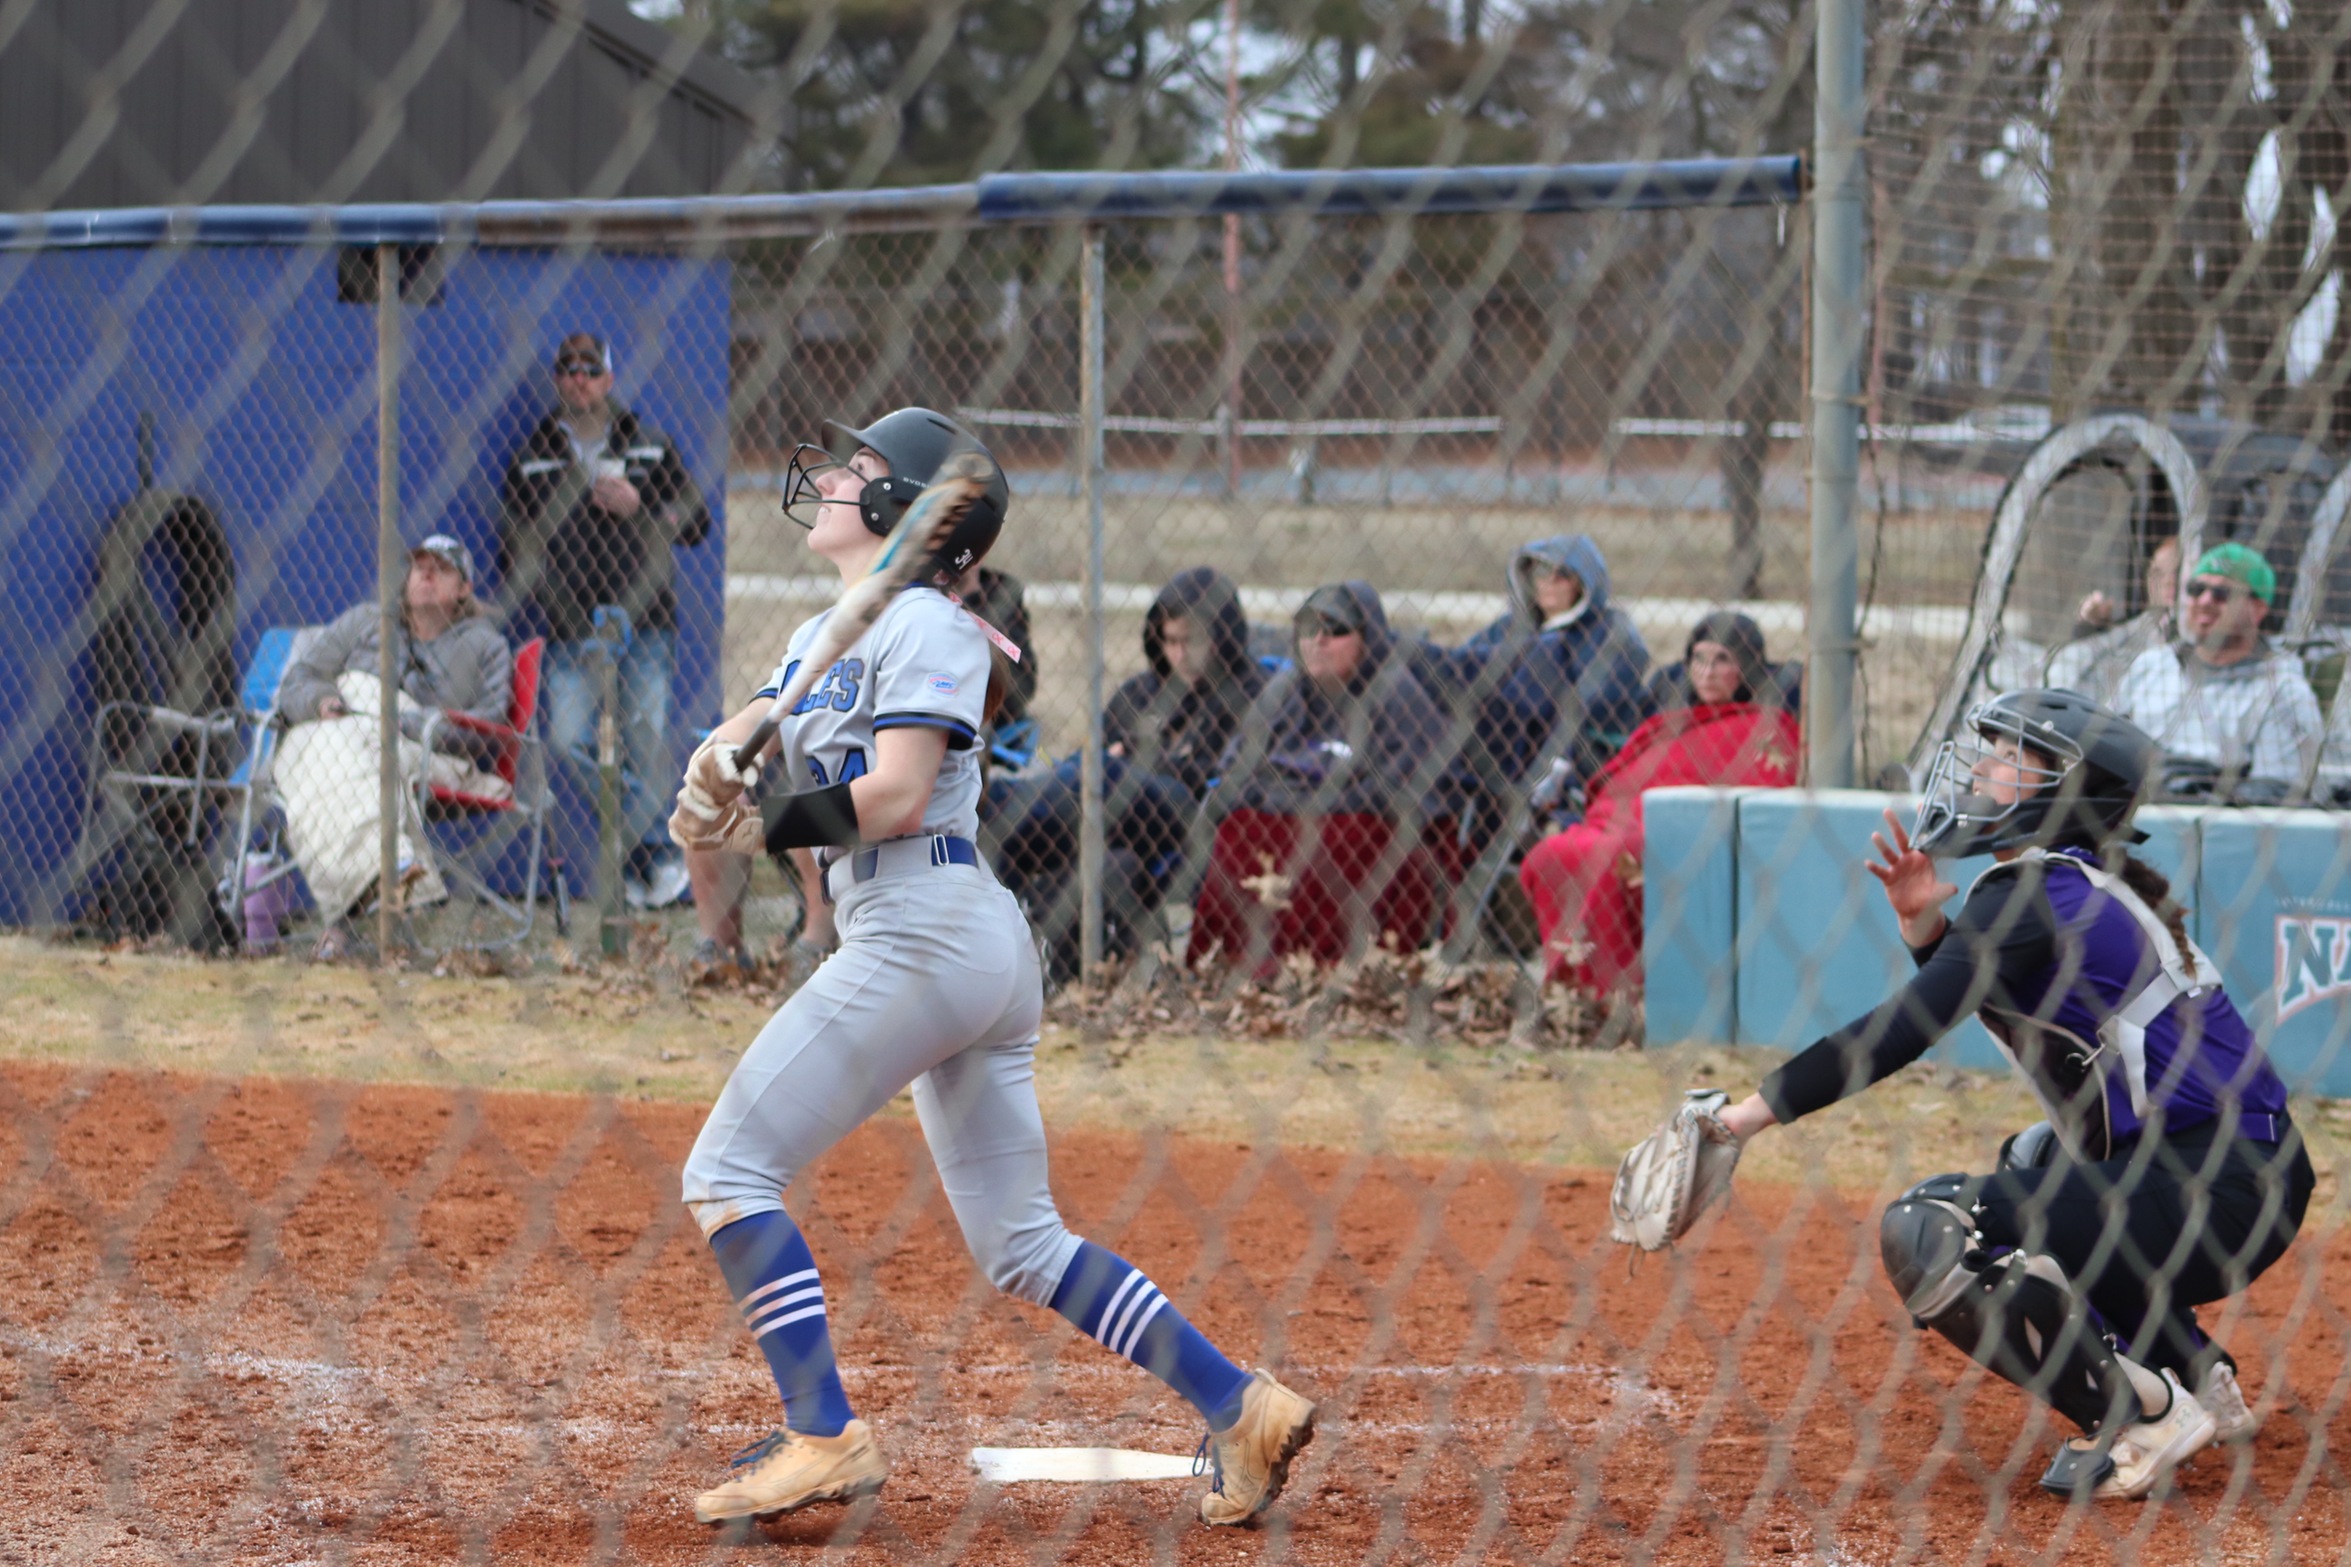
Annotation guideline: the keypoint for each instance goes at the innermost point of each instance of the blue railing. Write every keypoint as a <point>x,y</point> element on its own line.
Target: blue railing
<point>999,198</point>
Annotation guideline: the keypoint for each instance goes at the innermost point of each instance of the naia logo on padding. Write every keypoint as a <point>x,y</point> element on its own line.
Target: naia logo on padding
<point>2314,960</point>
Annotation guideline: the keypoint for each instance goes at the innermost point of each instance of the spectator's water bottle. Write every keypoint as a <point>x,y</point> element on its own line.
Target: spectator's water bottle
<point>269,898</point>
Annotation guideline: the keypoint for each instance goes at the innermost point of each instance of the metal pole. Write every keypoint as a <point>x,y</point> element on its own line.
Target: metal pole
<point>1229,416</point>
<point>1090,826</point>
<point>391,577</point>
<point>1836,389</point>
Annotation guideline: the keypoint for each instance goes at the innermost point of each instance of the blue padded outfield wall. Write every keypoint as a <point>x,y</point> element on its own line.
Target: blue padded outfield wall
<point>260,386</point>
<point>1761,928</point>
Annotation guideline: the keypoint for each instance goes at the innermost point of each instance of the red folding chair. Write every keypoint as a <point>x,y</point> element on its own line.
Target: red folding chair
<point>478,830</point>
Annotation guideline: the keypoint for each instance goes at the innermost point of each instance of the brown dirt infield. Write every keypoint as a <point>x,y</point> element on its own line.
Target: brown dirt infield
<point>289,1321</point>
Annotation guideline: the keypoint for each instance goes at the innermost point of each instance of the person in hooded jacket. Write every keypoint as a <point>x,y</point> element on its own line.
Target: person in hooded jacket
<point>1165,731</point>
<point>1329,788</point>
<point>1727,724</point>
<point>1559,676</point>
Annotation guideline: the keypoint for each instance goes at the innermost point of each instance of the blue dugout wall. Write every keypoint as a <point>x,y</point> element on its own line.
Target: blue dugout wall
<point>258,382</point>
<point>1761,928</point>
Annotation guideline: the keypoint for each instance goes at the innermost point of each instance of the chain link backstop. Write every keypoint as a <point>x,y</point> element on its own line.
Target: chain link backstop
<point>1442,595</point>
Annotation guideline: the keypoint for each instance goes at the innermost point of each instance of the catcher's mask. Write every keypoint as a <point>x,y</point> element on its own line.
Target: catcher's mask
<point>915,443</point>
<point>2075,771</point>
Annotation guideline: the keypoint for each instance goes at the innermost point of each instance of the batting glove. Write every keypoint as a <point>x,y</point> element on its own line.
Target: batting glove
<point>713,782</point>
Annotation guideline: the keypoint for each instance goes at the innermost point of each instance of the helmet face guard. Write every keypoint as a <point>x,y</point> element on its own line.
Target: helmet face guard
<point>1956,818</point>
<point>2062,793</point>
<point>880,502</point>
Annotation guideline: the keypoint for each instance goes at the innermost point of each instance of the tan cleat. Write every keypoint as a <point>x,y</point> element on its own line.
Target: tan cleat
<point>790,1470</point>
<point>1252,1460</point>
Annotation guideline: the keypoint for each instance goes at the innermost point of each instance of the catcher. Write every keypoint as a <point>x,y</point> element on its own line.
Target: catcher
<point>2167,1175</point>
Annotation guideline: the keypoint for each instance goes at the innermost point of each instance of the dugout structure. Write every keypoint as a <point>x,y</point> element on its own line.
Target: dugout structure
<point>227,363</point>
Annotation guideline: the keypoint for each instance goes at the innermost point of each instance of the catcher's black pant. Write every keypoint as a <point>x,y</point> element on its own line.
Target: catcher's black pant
<point>2168,1226</point>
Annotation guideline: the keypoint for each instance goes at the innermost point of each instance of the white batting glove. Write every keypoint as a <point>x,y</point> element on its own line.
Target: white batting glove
<point>713,782</point>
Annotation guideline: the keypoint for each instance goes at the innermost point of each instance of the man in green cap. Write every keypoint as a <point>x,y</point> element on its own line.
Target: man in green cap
<point>2223,693</point>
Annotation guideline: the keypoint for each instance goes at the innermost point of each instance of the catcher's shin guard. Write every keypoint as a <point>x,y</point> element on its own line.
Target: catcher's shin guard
<point>2016,1315</point>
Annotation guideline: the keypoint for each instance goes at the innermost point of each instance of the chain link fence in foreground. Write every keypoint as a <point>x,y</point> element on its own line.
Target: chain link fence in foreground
<point>1418,590</point>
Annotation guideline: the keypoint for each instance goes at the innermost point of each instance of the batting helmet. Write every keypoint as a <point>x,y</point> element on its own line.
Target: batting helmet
<point>2098,767</point>
<point>915,442</point>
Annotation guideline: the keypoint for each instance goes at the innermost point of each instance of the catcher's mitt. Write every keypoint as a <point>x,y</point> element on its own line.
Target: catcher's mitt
<point>1673,1173</point>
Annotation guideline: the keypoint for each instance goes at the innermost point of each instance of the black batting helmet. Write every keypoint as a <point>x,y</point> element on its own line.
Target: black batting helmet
<point>2100,765</point>
<point>916,443</point>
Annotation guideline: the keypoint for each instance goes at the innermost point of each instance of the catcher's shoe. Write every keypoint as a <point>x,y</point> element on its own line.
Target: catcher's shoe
<point>2134,1460</point>
<point>1251,1461</point>
<point>789,1470</point>
<point>2233,1419</point>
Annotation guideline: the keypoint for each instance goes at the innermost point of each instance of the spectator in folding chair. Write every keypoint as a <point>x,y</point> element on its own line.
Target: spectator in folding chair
<point>1327,842</point>
<point>1557,678</point>
<point>1726,722</point>
<point>595,503</point>
<point>451,656</point>
<point>1165,731</point>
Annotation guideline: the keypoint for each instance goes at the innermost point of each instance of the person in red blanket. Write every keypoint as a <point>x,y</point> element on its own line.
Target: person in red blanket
<point>1727,718</point>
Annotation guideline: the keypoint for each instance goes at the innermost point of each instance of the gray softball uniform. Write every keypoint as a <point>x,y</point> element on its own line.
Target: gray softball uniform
<point>935,982</point>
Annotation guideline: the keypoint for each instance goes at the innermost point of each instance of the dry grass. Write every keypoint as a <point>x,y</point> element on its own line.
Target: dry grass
<point>643,1034</point>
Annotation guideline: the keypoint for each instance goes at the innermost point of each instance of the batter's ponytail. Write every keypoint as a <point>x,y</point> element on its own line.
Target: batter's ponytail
<point>999,681</point>
<point>2154,890</point>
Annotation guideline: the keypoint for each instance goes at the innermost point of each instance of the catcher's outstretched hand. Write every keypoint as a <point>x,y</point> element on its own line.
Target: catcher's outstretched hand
<point>1672,1174</point>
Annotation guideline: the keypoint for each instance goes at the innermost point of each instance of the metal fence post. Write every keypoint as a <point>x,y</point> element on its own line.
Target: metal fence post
<point>1836,390</point>
<point>390,580</point>
<point>1091,848</point>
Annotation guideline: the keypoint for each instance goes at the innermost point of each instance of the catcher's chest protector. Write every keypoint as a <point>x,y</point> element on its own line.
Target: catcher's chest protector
<point>2071,1076</point>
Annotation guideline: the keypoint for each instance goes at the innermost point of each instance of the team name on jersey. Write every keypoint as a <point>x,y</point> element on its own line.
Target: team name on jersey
<point>837,690</point>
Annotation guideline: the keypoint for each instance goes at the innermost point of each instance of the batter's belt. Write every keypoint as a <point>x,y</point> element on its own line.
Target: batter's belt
<point>896,857</point>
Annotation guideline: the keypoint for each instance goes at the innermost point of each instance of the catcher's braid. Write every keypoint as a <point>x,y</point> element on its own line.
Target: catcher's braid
<point>1671,1175</point>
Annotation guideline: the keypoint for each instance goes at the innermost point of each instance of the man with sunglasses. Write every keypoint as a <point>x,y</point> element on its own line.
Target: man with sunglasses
<point>2222,697</point>
<point>594,502</point>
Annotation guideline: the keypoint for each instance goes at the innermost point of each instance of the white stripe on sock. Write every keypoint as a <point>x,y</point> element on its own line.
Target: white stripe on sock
<point>773,1323</point>
<point>1134,1308</point>
<point>1102,1323</point>
<point>784,1303</point>
<point>804,1276</point>
<point>1135,1339</point>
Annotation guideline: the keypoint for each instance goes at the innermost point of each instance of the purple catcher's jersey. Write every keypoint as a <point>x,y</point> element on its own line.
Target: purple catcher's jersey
<point>2191,1057</point>
<point>922,664</point>
<point>2105,1014</point>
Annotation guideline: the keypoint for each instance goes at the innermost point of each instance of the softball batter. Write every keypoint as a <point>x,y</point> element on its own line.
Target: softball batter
<point>2168,1174</point>
<point>935,983</point>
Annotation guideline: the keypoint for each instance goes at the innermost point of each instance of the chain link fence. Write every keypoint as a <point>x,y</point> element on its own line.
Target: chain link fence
<point>1411,774</point>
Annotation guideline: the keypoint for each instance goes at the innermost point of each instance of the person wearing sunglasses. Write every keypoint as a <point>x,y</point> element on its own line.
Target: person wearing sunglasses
<point>2231,710</point>
<point>595,501</point>
<point>1324,842</point>
<point>2102,650</point>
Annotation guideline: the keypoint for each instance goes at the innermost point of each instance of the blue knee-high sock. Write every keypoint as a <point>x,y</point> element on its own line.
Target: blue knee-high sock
<point>1110,1300</point>
<point>772,1275</point>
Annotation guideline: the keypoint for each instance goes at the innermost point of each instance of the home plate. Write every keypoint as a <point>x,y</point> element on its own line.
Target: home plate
<point>1005,1465</point>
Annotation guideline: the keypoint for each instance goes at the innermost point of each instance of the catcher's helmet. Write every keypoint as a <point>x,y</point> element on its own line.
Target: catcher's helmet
<point>915,442</point>
<point>2099,766</point>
